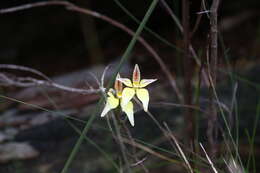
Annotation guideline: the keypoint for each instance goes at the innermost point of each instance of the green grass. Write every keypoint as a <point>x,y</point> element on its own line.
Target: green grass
<point>99,105</point>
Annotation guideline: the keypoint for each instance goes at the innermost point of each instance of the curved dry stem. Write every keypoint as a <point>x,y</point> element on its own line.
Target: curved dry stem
<point>73,7</point>
<point>10,80</point>
<point>23,68</point>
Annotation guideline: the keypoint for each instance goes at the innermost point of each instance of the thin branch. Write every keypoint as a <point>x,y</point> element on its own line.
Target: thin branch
<point>148,150</point>
<point>177,105</point>
<point>187,72</point>
<point>214,38</point>
<point>23,68</point>
<point>10,80</point>
<point>195,28</point>
<point>173,16</point>
<point>213,70</point>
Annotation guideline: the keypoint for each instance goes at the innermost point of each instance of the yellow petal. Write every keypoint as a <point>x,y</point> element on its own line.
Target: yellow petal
<point>136,74</point>
<point>126,81</point>
<point>112,103</point>
<point>127,95</point>
<point>129,110</point>
<point>145,82</point>
<point>110,92</point>
<point>143,95</point>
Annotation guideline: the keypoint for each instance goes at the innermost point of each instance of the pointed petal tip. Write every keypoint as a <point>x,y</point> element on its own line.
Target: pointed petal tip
<point>145,82</point>
<point>129,110</point>
<point>102,115</point>
<point>136,74</point>
<point>105,110</point>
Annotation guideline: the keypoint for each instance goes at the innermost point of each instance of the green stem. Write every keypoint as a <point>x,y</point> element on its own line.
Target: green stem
<point>123,59</point>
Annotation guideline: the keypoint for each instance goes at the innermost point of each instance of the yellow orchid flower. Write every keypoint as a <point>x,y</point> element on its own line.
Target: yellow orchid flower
<point>114,99</point>
<point>136,86</point>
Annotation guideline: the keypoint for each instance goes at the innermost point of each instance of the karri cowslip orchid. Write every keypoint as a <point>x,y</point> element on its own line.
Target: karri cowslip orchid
<point>136,86</point>
<point>115,98</point>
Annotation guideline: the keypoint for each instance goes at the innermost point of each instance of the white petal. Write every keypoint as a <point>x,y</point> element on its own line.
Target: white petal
<point>118,76</point>
<point>143,95</point>
<point>127,95</point>
<point>145,82</point>
<point>112,103</point>
<point>105,110</point>
<point>125,81</point>
<point>129,110</point>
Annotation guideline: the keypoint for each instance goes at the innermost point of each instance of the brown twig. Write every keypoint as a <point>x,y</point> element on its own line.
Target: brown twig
<point>148,150</point>
<point>10,80</point>
<point>187,66</point>
<point>214,38</point>
<point>173,16</point>
<point>213,73</point>
<point>187,61</point>
<point>196,25</point>
<point>73,7</point>
<point>23,68</point>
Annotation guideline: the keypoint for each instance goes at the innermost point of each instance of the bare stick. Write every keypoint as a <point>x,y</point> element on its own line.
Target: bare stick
<point>173,16</point>
<point>73,7</point>
<point>213,70</point>
<point>23,68</point>
<point>152,152</point>
<point>214,38</point>
<point>187,66</point>
<point>10,80</point>
<point>196,25</point>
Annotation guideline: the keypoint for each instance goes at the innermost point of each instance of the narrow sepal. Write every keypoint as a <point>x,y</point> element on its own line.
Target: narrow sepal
<point>143,96</point>
<point>145,82</point>
<point>129,110</point>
